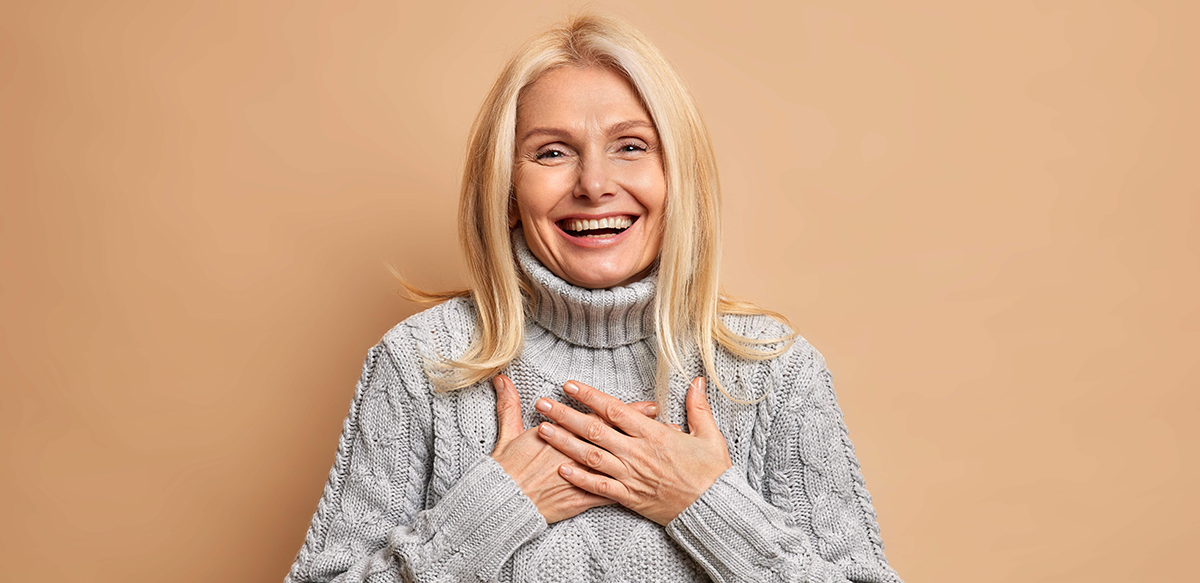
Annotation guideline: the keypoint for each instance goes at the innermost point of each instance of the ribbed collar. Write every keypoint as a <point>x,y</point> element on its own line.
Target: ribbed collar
<point>597,318</point>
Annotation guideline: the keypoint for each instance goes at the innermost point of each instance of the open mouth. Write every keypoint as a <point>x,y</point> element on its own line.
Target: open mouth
<point>593,228</point>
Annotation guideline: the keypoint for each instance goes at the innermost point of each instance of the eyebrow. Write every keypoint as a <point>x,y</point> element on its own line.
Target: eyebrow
<point>613,129</point>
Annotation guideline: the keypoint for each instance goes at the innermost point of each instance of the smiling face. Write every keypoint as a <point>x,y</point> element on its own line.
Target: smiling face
<point>589,183</point>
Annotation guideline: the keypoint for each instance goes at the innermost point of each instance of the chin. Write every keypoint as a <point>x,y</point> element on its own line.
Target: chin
<point>593,282</point>
<point>598,279</point>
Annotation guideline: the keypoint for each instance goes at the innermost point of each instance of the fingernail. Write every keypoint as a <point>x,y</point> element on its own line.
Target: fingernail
<point>547,430</point>
<point>651,409</point>
<point>570,388</point>
<point>566,470</point>
<point>496,382</point>
<point>542,405</point>
<point>700,383</point>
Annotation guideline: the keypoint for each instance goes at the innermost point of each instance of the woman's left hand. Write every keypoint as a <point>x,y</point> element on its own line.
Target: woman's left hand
<point>647,466</point>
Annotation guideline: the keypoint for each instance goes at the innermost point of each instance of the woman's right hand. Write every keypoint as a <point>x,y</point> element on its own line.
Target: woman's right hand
<point>533,464</point>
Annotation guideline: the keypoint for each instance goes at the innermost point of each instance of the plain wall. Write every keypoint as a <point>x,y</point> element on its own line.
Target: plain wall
<point>986,215</point>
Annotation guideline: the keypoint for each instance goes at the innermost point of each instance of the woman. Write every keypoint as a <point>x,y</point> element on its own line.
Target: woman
<point>508,433</point>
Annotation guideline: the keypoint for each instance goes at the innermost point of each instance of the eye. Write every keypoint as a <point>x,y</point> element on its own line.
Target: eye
<point>550,154</point>
<point>631,147</point>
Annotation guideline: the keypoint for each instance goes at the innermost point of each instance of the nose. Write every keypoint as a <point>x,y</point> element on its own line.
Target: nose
<point>596,179</point>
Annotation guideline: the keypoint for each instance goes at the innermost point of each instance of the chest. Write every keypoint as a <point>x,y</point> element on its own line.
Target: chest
<point>465,429</point>
<point>607,543</point>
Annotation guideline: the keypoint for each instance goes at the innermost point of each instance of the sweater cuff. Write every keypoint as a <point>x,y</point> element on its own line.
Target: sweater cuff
<point>732,531</point>
<point>483,519</point>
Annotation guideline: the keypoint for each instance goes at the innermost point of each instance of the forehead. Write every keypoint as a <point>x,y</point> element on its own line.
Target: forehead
<point>572,96</point>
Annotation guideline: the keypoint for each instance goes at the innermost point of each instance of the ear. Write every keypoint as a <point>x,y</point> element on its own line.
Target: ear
<point>514,213</point>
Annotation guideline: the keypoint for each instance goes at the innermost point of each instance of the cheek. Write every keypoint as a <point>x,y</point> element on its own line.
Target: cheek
<point>651,187</point>
<point>538,189</point>
<point>529,187</point>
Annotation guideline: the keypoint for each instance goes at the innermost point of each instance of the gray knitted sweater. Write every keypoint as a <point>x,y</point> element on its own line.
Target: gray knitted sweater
<point>414,495</point>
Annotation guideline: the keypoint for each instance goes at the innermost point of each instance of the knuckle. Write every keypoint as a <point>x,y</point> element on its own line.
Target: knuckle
<point>593,458</point>
<point>601,487</point>
<point>614,412</point>
<point>595,430</point>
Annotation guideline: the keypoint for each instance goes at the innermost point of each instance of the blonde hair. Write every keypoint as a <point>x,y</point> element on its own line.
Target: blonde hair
<point>688,301</point>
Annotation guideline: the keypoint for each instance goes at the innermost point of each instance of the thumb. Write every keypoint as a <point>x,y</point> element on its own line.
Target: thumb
<point>509,423</point>
<point>699,414</point>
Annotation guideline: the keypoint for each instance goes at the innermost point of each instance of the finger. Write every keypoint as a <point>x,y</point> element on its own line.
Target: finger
<point>590,427</point>
<point>589,500</point>
<point>617,414</point>
<point>675,426</point>
<point>597,484</point>
<point>699,414</point>
<point>584,453</point>
<point>648,408</point>
<point>509,423</point>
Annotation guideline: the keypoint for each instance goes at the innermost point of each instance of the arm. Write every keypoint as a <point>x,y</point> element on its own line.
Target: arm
<point>370,524</point>
<point>819,524</point>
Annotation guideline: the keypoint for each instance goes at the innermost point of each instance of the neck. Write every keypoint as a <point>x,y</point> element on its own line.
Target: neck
<point>595,318</point>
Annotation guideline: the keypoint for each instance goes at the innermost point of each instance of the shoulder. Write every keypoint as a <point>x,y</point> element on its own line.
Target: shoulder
<point>442,331</point>
<point>441,327</point>
<point>765,327</point>
<point>775,335</point>
<point>756,326</point>
<point>792,371</point>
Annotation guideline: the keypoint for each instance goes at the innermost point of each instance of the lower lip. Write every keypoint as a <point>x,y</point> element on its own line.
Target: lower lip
<point>598,242</point>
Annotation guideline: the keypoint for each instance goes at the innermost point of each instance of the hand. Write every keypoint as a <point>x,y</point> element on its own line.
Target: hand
<point>533,464</point>
<point>648,467</point>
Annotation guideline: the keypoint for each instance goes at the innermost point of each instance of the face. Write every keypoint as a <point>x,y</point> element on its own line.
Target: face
<point>589,183</point>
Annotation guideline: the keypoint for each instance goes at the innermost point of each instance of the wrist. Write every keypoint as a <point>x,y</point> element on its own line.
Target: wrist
<point>699,486</point>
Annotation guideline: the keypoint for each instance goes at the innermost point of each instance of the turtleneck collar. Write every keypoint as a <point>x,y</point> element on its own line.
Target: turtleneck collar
<point>596,318</point>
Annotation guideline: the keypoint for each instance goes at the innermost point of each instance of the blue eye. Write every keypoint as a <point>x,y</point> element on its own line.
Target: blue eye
<point>633,148</point>
<point>550,154</point>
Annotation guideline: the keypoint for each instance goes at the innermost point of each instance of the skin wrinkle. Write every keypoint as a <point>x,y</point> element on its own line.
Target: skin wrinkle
<point>610,130</point>
<point>596,153</point>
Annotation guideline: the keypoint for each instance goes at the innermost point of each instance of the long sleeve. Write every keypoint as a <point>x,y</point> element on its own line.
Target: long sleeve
<point>813,520</point>
<point>370,524</point>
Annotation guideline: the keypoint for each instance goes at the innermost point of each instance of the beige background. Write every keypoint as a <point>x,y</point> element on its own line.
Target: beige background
<point>985,215</point>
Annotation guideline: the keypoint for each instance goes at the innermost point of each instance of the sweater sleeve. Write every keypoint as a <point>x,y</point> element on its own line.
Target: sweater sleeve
<point>371,524</point>
<point>813,519</point>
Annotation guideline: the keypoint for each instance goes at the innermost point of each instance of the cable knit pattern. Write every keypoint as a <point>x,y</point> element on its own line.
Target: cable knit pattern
<point>414,496</point>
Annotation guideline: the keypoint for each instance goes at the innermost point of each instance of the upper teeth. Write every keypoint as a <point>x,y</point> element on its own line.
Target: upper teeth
<point>621,222</point>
